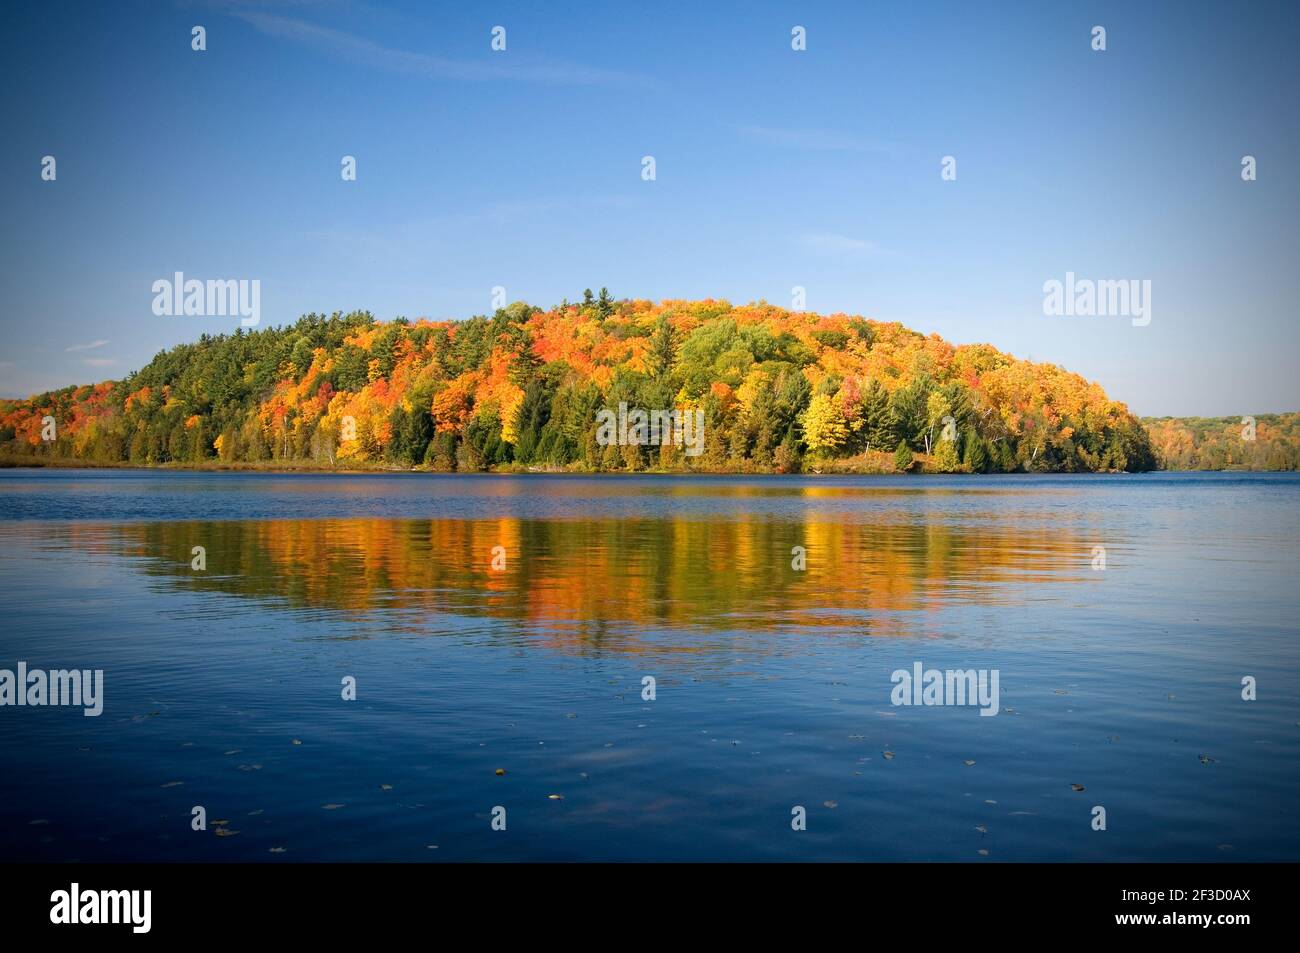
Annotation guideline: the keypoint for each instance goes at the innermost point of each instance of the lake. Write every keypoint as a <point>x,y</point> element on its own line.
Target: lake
<point>501,633</point>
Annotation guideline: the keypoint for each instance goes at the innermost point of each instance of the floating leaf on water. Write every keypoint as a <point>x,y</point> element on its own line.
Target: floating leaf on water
<point>257,812</point>
<point>233,751</point>
<point>500,771</point>
<point>987,801</point>
<point>332,807</point>
<point>982,852</point>
<point>555,797</point>
<point>1206,759</point>
<point>968,762</point>
<point>571,714</point>
<point>831,804</point>
<point>981,828</point>
<point>888,754</point>
<point>296,741</point>
<point>224,832</point>
<point>1076,787</point>
<point>583,775</point>
<point>220,823</point>
<point>385,787</point>
<point>277,850</point>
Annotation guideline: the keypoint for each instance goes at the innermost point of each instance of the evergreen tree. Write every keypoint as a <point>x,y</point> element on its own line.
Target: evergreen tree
<point>976,456</point>
<point>663,348</point>
<point>878,419</point>
<point>903,457</point>
<point>533,414</point>
<point>605,304</point>
<point>910,407</point>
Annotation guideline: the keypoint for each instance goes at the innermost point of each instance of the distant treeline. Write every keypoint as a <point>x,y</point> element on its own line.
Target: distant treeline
<point>781,391</point>
<point>1257,442</point>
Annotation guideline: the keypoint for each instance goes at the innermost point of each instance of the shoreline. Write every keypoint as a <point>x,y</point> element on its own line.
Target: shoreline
<point>311,468</point>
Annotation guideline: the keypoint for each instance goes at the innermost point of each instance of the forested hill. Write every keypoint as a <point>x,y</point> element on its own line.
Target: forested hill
<point>1254,442</point>
<point>779,390</point>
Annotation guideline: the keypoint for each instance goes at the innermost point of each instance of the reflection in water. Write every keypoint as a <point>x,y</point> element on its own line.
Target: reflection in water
<point>222,687</point>
<point>569,581</point>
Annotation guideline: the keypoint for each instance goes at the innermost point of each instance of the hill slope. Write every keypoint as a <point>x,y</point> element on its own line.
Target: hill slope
<point>1261,442</point>
<point>779,391</point>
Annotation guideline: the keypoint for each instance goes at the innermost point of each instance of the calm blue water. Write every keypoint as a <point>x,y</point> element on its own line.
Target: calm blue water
<point>772,684</point>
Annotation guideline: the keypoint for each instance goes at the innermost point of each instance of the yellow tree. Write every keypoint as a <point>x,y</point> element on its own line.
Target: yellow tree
<point>824,429</point>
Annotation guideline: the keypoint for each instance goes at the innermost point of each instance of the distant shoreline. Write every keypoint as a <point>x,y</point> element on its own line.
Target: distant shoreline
<point>11,463</point>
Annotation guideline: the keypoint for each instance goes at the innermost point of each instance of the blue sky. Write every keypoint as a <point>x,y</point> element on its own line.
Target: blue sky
<point>775,168</point>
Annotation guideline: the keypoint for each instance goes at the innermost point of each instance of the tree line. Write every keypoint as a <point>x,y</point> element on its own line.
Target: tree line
<point>781,391</point>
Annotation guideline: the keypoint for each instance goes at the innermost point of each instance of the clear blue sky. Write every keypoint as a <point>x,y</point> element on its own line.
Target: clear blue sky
<point>775,168</point>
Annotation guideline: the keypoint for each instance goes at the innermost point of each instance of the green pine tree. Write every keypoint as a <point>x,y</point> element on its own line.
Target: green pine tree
<point>976,457</point>
<point>903,457</point>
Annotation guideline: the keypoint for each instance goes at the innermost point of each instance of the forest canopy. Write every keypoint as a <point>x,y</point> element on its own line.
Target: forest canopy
<point>780,391</point>
<point>1259,442</point>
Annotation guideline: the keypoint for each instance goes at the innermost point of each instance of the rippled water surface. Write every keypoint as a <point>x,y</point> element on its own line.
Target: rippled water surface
<point>773,685</point>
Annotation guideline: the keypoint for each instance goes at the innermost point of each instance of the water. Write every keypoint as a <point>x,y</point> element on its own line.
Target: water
<point>772,685</point>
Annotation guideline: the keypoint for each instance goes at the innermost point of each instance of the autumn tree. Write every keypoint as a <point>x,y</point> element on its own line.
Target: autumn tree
<point>824,430</point>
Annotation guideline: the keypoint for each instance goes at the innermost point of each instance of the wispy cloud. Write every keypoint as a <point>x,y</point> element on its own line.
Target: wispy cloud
<point>830,242</point>
<point>821,140</point>
<point>358,49</point>
<point>86,347</point>
<point>412,240</point>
